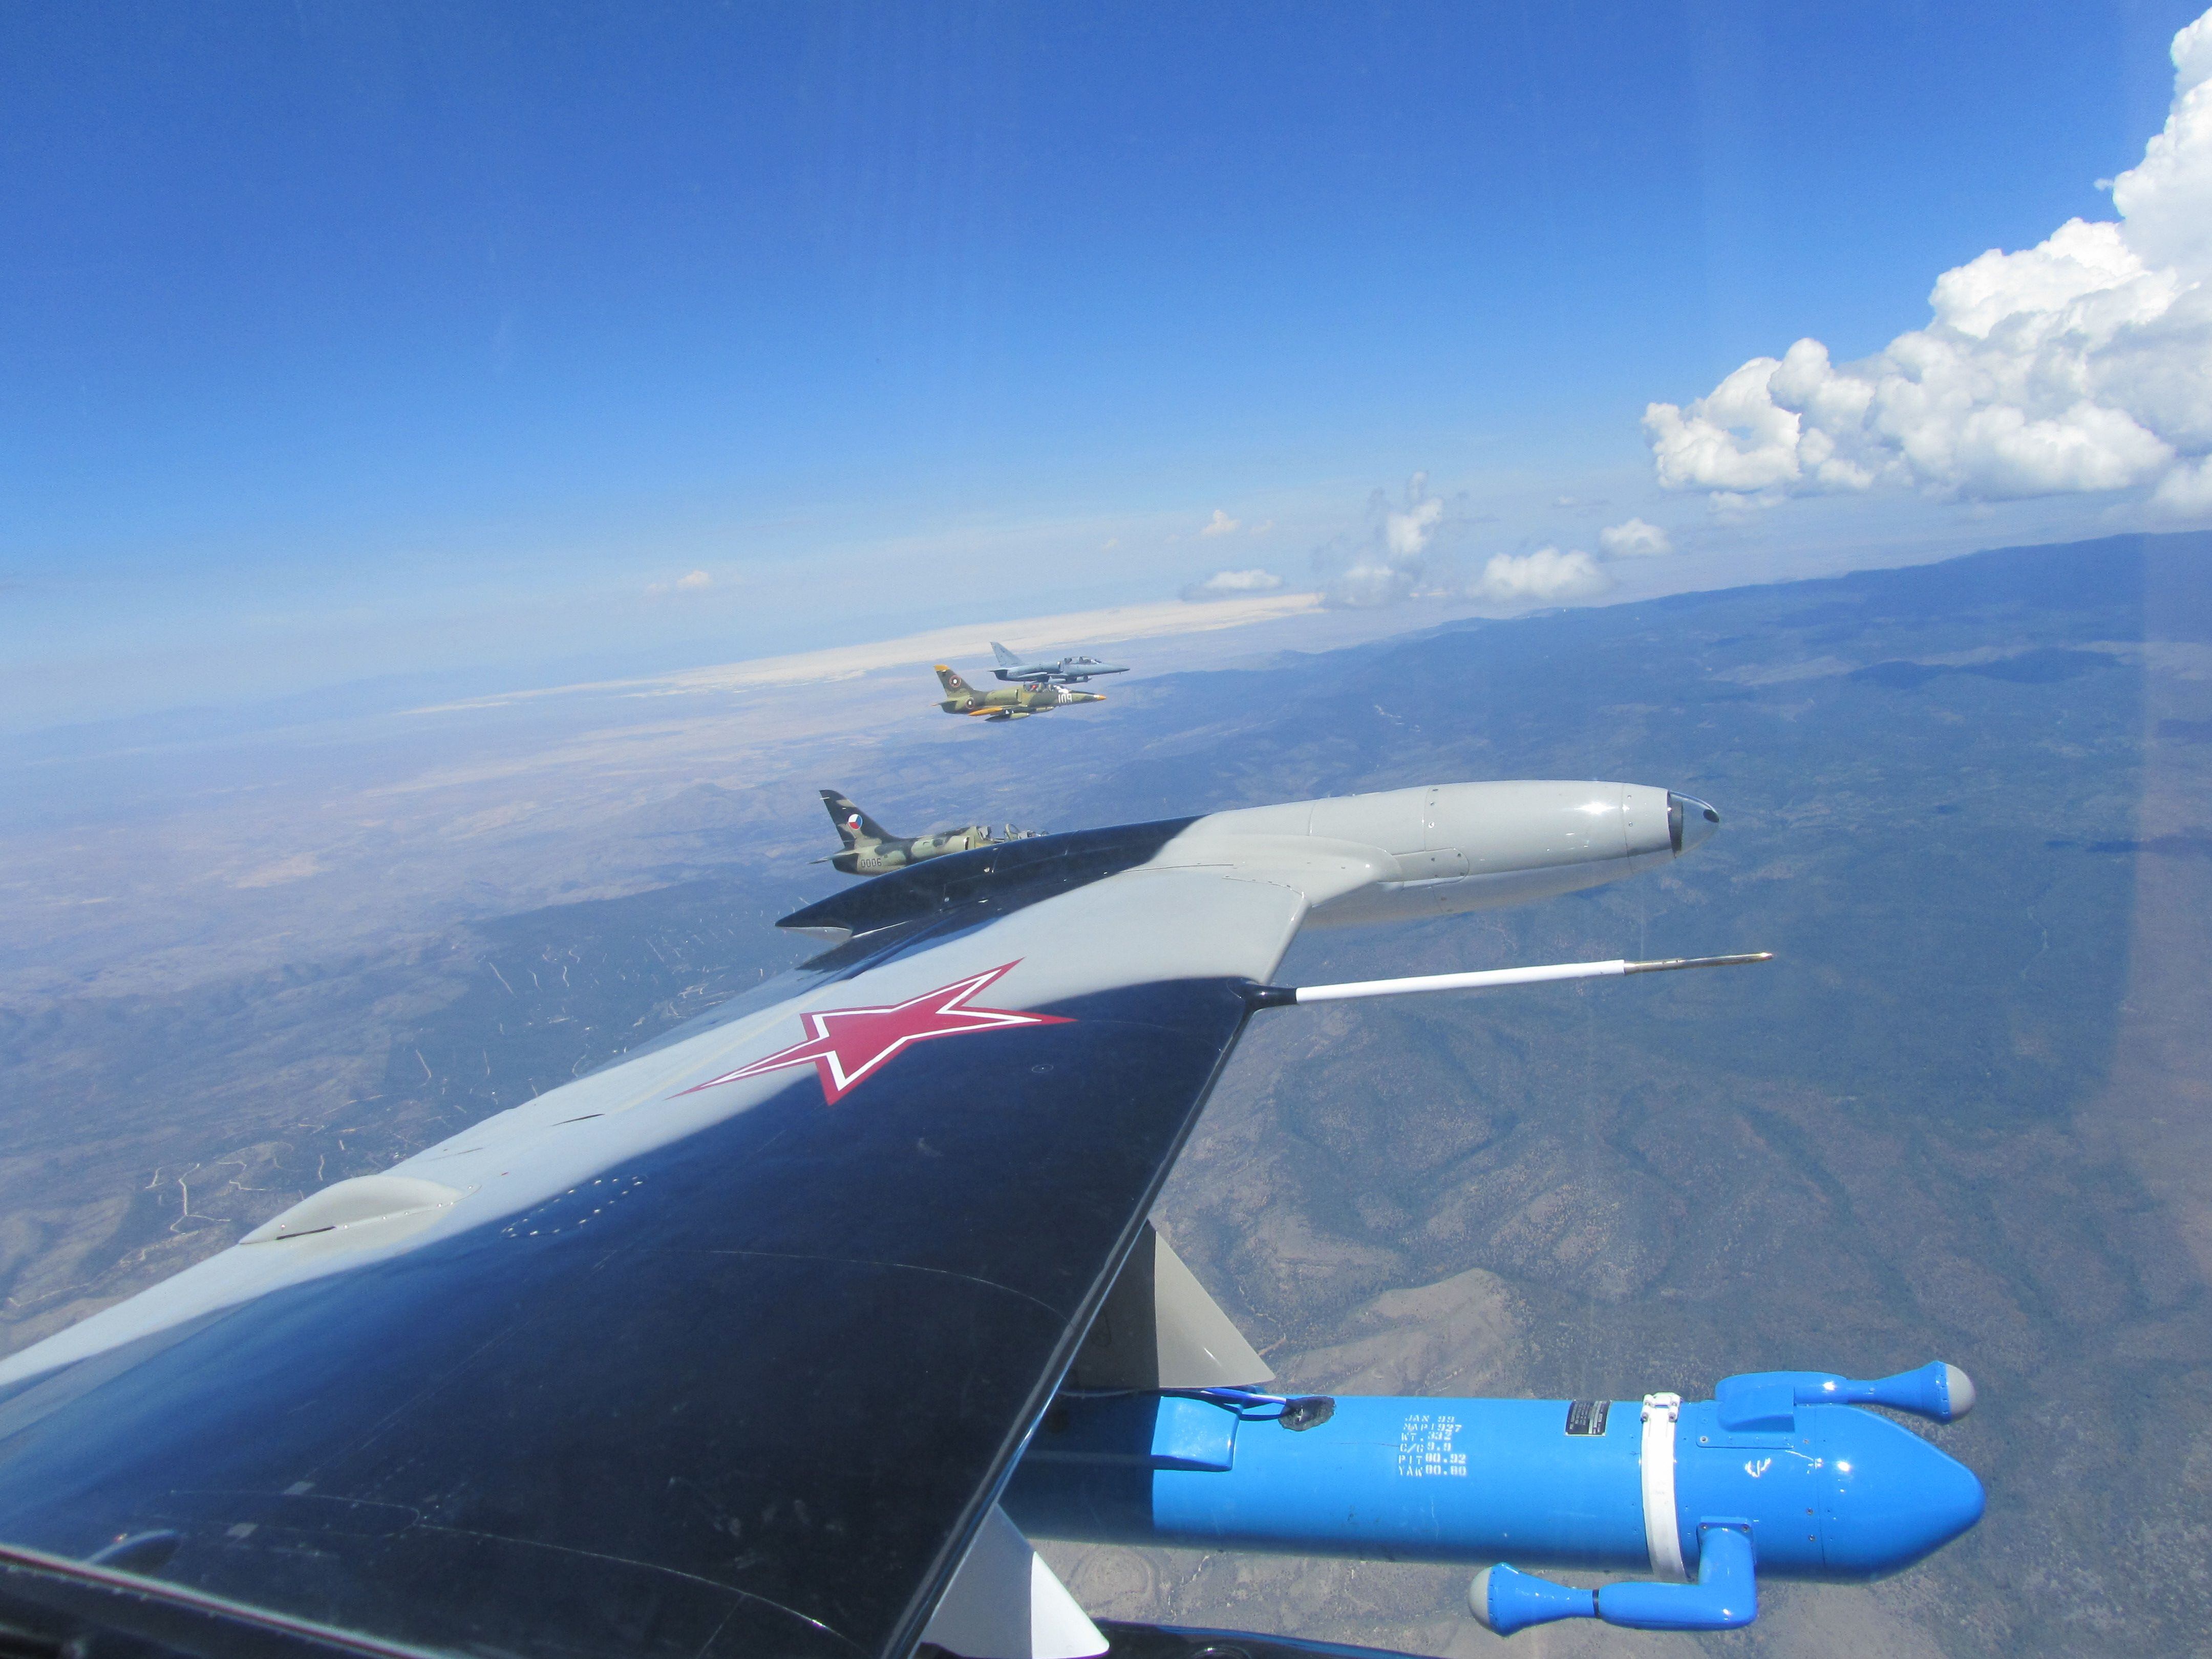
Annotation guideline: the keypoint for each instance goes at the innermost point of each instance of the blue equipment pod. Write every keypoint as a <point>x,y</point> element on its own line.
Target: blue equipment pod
<point>1813,1490</point>
<point>1392,1479</point>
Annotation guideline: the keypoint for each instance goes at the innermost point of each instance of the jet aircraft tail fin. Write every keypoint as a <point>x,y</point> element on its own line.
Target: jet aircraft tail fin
<point>854,826</point>
<point>1006,659</point>
<point>953,684</point>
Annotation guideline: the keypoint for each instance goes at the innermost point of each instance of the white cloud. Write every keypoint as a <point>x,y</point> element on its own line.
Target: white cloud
<point>1220,524</point>
<point>1633,540</point>
<point>1419,546</point>
<point>1389,564</point>
<point>2083,364</point>
<point>1368,584</point>
<point>692,584</point>
<point>1545,574</point>
<point>1408,533</point>
<point>1231,584</point>
<point>2186,492</point>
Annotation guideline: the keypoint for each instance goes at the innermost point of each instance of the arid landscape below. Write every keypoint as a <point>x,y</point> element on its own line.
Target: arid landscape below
<point>1964,1115</point>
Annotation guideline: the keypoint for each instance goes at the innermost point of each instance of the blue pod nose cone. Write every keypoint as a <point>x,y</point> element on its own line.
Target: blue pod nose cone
<point>1891,1497</point>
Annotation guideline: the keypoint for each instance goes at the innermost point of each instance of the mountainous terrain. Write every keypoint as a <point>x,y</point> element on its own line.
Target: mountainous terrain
<point>1963,1114</point>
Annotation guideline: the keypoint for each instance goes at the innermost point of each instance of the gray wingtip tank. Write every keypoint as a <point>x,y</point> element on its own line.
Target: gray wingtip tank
<point>1397,855</point>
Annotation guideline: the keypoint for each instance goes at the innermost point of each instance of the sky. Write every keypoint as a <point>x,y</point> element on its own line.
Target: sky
<point>342,342</point>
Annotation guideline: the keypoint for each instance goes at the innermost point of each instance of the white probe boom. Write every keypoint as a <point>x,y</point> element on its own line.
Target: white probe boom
<point>1283,996</point>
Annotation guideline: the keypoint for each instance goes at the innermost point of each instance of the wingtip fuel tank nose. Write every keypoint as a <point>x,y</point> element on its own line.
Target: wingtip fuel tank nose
<point>1689,821</point>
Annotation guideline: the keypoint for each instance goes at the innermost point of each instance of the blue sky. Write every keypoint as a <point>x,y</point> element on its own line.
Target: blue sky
<point>343,340</point>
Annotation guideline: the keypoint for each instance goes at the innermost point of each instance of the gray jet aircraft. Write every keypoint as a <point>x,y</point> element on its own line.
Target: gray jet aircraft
<point>1068,671</point>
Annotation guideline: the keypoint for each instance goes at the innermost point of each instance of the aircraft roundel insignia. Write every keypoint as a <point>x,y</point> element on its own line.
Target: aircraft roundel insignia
<point>848,1046</point>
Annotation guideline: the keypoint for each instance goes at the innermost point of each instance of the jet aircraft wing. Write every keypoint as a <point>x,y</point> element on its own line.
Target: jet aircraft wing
<point>723,1349</point>
<point>730,1346</point>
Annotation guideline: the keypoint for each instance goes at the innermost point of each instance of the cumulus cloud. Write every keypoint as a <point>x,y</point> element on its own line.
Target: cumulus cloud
<point>1423,546</point>
<point>2083,364</point>
<point>692,584</point>
<point>1220,524</point>
<point>1549,576</point>
<point>1543,576</point>
<point>1390,562</point>
<point>1233,584</point>
<point>1408,533</point>
<point>1634,540</point>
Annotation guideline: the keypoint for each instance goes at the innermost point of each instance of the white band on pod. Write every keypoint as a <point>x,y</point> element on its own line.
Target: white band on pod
<point>1663,1532</point>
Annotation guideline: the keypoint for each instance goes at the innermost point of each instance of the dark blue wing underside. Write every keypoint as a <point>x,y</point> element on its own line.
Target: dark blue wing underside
<point>747,1393</point>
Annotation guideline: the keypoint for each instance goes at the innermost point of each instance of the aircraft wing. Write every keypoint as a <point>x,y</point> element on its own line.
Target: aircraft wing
<point>725,1349</point>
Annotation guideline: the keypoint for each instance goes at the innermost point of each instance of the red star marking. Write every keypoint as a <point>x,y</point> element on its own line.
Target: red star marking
<point>849,1044</point>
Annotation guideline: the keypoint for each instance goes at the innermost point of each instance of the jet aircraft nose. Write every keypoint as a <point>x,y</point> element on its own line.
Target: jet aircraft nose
<point>1689,821</point>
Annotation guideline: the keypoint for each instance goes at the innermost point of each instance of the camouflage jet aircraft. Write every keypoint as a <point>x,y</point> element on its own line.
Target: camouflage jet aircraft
<point>1066,670</point>
<point>873,850</point>
<point>1011,702</point>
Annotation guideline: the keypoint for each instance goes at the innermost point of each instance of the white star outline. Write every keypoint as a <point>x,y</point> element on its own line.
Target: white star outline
<point>822,1049</point>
